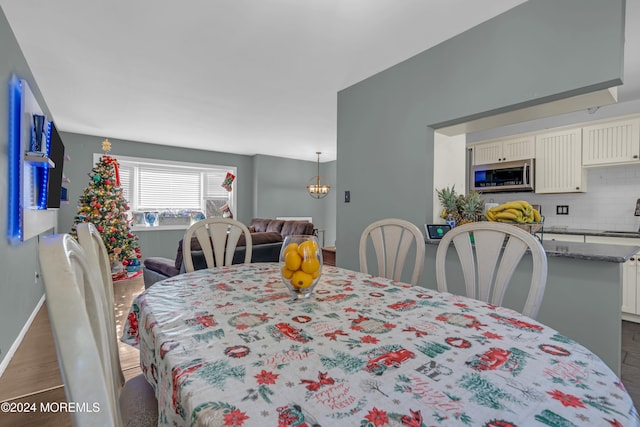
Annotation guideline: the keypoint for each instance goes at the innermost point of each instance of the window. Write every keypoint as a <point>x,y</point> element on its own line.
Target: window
<point>175,188</point>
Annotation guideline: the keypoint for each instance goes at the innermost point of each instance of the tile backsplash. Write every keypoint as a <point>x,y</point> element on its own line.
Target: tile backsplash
<point>608,204</point>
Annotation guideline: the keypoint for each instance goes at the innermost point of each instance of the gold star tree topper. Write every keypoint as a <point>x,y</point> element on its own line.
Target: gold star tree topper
<point>106,145</point>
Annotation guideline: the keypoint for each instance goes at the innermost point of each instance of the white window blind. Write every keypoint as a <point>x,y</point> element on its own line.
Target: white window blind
<point>162,185</point>
<point>213,185</point>
<point>126,182</point>
<point>168,188</point>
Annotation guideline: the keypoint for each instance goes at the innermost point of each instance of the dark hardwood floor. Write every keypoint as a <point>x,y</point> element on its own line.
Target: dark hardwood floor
<point>33,375</point>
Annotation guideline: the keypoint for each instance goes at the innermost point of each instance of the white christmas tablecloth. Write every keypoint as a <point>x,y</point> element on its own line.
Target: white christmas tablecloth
<point>227,347</point>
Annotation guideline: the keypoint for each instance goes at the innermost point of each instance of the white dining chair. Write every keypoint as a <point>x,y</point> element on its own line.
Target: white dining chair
<point>98,258</point>
<point>83,339</point>
<point>489,253</point>
<point>392,238</point>
<point>218,238</point>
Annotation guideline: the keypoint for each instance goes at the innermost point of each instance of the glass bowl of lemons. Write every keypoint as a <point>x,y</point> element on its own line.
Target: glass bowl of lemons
<point>300,264</point>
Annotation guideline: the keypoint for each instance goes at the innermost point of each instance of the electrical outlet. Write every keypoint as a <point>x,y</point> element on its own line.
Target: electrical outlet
<point>562,209</point>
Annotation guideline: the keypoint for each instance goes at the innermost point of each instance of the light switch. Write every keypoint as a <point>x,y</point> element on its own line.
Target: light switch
<point>347,196</point>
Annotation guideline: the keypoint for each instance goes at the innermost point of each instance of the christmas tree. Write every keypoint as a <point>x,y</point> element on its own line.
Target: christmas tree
<point>103,204</point>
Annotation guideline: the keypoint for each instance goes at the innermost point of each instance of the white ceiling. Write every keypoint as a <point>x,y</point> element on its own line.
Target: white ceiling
<point>239,76</point>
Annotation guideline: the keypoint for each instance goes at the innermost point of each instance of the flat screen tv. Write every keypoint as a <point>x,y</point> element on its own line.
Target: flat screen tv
<point>56,153</point>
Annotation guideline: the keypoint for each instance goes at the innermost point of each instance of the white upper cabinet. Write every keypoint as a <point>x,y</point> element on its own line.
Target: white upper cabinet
<point>504,150</point>
<point>559,162</point>
<point>614,142</point>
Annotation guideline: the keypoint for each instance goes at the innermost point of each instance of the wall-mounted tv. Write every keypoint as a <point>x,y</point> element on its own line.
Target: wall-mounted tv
<point>56,154</point>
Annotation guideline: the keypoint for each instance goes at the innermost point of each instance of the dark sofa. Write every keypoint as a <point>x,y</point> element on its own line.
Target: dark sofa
<point>266,237</point>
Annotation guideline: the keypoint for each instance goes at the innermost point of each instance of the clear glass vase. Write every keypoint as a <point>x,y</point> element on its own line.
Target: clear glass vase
<point>300,264</point>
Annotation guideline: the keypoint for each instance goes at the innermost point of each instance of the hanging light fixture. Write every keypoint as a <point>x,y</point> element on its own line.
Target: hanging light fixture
<point>318,186</point>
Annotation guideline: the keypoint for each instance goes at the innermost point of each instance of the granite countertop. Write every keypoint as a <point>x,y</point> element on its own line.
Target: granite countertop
<point>585,251</point>
<point>581,232</point>
<point>590,251</point>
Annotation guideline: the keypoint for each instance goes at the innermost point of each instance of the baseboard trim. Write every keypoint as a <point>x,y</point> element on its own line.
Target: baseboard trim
<point>14,347</point>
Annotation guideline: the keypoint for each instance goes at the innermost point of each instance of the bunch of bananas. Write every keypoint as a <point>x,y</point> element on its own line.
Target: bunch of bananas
<point>519,211</point>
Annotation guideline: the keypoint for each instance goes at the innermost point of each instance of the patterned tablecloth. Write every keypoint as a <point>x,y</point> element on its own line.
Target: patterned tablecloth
<point>226,347</point>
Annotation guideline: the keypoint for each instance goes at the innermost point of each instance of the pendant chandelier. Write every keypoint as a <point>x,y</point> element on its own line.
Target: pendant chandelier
<point>318,187</point>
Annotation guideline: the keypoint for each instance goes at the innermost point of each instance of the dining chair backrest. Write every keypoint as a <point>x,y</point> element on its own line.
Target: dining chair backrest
<point>218,238</point>
<point>489,253</point>
<point>392,238</point>
<point>81,312</point>
<point>98,258</point>
<point>79,327</point>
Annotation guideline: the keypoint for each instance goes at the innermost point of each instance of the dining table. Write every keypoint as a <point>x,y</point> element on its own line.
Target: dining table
<point>229,346</point>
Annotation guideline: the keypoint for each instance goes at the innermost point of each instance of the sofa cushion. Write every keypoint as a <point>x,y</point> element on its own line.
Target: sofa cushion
<point>161,265</point>
<point>262,238</point>
<point>291,228</point>
<point>275,225</point>
<point>260,224</point>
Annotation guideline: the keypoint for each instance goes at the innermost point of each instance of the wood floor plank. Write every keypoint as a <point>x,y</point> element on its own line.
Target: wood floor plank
<point>131,372</point>
<point>124,294</point>
<point>34,366</point>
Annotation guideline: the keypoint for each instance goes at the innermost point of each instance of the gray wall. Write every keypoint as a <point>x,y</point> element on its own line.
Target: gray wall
<point>18,293</point>
<point>540,51</point>
<point>280,190</point>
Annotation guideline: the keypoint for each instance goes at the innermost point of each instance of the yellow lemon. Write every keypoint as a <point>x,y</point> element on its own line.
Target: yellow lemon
<point>286,273</point>
<point>291,247</point>
<point>301,280</point>
<point>310,265</point>
<point>292,260</point>
<point>315,274</point>
<point>307,248</point>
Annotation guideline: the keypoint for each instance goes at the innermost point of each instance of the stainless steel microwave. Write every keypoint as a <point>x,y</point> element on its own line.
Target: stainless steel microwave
<point>506,176</point>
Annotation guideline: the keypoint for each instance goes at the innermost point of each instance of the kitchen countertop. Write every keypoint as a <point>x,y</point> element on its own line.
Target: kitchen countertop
<point>581,232</point>
<point>585,251</point>
<point>589,251</point>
